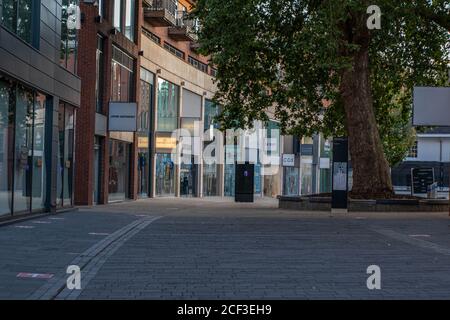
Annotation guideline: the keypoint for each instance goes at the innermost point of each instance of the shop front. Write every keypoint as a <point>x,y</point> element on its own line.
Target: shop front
<point>144,127</point>
<point>119,170</point>
<point>24,153</point>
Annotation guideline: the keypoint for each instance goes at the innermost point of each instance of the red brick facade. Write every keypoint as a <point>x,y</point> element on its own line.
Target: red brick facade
<point>85,127</point>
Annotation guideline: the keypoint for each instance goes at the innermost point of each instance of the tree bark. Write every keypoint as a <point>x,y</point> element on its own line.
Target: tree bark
<point>371,174</point>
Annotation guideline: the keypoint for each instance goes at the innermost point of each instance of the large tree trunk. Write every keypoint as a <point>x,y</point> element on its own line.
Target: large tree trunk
<point>371,175</point>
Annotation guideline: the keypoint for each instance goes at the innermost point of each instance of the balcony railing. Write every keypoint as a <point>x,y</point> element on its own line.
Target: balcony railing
<point>185,28</point>
<point>161,13</point>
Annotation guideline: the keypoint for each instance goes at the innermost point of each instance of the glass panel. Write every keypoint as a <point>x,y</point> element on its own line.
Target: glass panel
<point>291,180</point>
<point>22,157</point>
<point>24,20</point>
<point>17,17</point>
<point>211,111</point>
<point>165,175</point>
<point>68,155</point>
<point>117,14</point>
<point>38,160</point>
<point>229,182</point>
<point>9,14</point>
<point>68,36</point>
<point>257,178</point>
<point>60,164</point>
<point>230,170</point>
<point>122,77</point>
<point>96,171</point>
<point>125,85</point>
<point>143,138</point>
<point>306,176</point>
<point>115,81</point>
<point>188,179</point>
<point>167,106</point>
<point>129,19</point>
<point>118,170</point>
<point>210,181</point>
<point>99,74</point>
<point>6,140</point>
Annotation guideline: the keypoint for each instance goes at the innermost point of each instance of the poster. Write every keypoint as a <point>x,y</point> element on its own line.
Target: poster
<point>340,176</point>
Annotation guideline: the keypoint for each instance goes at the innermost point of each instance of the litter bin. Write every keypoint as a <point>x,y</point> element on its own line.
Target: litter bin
<point>244,182</point>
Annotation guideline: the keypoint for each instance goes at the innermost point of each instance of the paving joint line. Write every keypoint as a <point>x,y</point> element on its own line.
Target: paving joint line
<point>56,285</point>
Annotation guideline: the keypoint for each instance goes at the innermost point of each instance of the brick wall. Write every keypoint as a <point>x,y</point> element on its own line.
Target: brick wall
<point>85,128</point>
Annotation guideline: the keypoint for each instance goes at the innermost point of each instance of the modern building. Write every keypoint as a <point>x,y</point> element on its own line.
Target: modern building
<point>430,150</point>
<point>109,68</point>
<point>39,101</point>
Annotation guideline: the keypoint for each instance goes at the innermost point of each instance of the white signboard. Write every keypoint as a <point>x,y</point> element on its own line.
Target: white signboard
<point>324,163</point>
<point>431,106</point>
<point>340,176</point>
<point>288,160</point>
<point>122,116</point>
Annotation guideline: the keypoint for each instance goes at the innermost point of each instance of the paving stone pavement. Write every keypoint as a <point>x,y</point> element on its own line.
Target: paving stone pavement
<point>217,249</point>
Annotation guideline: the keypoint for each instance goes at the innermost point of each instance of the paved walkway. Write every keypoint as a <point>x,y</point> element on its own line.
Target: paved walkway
<point>217,249</point>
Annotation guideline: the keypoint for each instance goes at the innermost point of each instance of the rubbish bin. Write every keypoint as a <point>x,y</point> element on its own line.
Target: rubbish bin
<point>244,182</point>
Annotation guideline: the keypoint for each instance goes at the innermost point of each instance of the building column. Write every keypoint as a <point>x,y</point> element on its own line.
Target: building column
<point>51,152</point>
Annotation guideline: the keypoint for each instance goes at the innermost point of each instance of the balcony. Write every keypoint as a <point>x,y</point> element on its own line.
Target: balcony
<point>184,29</point>
<point>160,13</point>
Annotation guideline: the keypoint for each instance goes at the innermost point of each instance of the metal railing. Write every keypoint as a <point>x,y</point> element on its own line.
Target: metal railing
<point>183,20</point>
<point>169,5</point>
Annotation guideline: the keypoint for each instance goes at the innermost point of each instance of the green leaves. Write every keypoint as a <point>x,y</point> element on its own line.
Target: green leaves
<point>289,56</point>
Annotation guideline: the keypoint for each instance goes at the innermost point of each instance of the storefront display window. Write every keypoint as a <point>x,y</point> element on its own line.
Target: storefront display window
<point>165,175</point>
<point>210,180</point>
<point>291,181</point>
<point>22,156</point>
<point>119,169</point>
<point>144,123</point>
<point>64,185</point>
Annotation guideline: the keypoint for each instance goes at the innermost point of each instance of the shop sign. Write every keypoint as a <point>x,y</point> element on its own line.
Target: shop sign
<point>143,142</point>
<point>122,116</point>
<point>166,142</point>
<point>324,163</point>
<point>288,160</point>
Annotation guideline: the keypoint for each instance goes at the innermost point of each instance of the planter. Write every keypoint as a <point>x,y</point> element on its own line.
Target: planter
<point>320,203</point>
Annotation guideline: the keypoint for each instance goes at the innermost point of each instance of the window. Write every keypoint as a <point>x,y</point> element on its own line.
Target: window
<point>99,74</point>
<point>174,51</point>
<point>124,16</point>
<point>211,112</point>
<point>167,114</point>
<point>413,150</point>
<point>68,37</point>
<point>17,17</point>
<point>151,36</point>
<point>64,178</point>
<point>22,154</point>
<point>101,8</point>
<point>117,23</point>
<point>197,64</point>
<point>122,76</point>
<point>129,19</point>
<point>213,72</point>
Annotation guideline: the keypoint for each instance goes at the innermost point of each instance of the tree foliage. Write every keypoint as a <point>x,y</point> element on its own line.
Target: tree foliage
<point>287,57</point>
